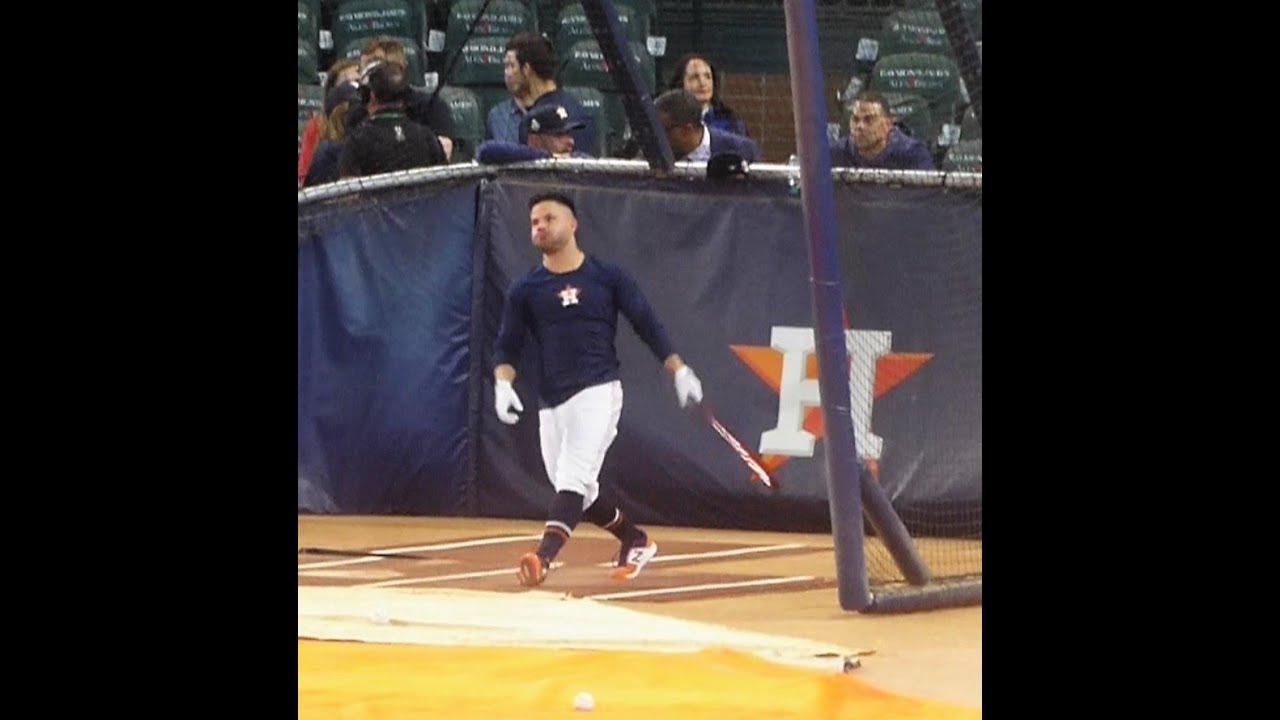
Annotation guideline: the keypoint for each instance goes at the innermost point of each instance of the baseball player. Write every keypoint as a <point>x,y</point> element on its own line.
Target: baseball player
<point>570,305</point>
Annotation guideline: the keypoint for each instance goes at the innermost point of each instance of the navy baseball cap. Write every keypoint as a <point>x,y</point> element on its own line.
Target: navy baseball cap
<point>727,165</point>
<point>342,92</point>
<point>550,119</point>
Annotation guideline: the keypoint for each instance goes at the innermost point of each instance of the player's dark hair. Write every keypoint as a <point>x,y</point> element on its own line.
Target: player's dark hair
<point>555,197</point>
<point>871,97</point>
<point>537,52</point>
<point>680,106</point>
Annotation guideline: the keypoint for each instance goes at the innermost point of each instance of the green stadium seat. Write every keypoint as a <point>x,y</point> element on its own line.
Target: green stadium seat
<point>357,19</point>
<point>913,111</point>
<point>616,127</point>
<point>593,101</point>
<point>972,12</point>
<point>480,62</point>
<point>932,77</point>
<point>310,101</point>
<point>468,122</point>
<point>479,69</point>
<point>584,66</point>
<point>910,31</point>
<point>964,156</point>
<point>503,18</point>
<point>308,63</point>
<point>573,25</point>
<point>308,21</point>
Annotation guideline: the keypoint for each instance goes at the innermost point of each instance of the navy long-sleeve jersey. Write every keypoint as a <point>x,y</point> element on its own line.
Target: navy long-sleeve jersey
<point>573,318</point>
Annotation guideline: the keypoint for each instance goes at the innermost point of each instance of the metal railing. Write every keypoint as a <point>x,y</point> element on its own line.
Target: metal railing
<point>770,172</point>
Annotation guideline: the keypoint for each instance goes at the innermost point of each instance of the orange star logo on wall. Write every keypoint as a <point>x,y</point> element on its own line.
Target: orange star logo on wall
<point>766,362</point>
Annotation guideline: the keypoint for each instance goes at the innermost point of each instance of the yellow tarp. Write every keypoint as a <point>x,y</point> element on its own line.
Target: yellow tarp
<point>365,680</point>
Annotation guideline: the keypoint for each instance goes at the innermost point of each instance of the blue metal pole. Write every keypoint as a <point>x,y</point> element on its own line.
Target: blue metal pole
<point>810,109</point>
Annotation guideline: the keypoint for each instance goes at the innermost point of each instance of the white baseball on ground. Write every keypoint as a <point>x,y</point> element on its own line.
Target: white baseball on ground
<point>584,701</point>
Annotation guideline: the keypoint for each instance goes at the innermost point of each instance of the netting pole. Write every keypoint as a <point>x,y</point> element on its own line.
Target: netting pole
<point>892,531</point>
<point>810,110</point>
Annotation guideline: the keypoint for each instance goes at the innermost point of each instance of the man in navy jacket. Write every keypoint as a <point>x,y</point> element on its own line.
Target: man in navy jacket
<point>690,138</point>
<point>875,142</point>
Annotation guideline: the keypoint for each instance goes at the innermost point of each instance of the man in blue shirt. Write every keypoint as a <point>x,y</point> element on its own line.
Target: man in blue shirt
<point>569,305</point>
<point>875,142</point>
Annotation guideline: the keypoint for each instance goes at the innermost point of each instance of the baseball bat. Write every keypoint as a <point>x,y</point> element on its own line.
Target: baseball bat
<point>748,456</point>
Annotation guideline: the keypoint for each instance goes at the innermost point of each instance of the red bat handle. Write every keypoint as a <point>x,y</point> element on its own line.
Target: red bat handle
<point>748,457</point>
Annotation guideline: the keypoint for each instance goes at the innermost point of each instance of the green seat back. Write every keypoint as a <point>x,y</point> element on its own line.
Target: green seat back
<point>964,156</point>
<point>480,62</point>
<point>573,25</point>
<point>308,63</point>
<point>584,65</point>
<point>363,19</point>
<point>592,100</point>
<point>932,77</point>
<point>468,122</point>
<point>502,18</point>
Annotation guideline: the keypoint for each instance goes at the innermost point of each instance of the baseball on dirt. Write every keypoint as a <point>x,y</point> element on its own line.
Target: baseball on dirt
<point>584,701</point>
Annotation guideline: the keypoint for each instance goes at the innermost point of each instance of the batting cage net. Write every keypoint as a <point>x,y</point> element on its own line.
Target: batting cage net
<point>915,379</point>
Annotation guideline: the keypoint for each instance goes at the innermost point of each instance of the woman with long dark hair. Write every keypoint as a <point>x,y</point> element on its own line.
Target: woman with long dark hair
<point>696,74</point>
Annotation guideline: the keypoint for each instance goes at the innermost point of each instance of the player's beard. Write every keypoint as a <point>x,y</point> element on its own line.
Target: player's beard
<point>551,244</point>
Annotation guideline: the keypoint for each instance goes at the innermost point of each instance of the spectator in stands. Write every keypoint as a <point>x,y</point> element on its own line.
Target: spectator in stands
<point>696,74</point>
<point>875,142</point>
<point>421,106</point>
<point>345,70</point>
<point>529,72</point>
<point>388,140</point>
<point>690,138</point>
<point>324,166</point>
<point>548,133</point>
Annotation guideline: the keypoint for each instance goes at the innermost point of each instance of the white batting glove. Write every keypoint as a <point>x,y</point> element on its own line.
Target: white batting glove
<point>688,386</point>
<point>505,398</point>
